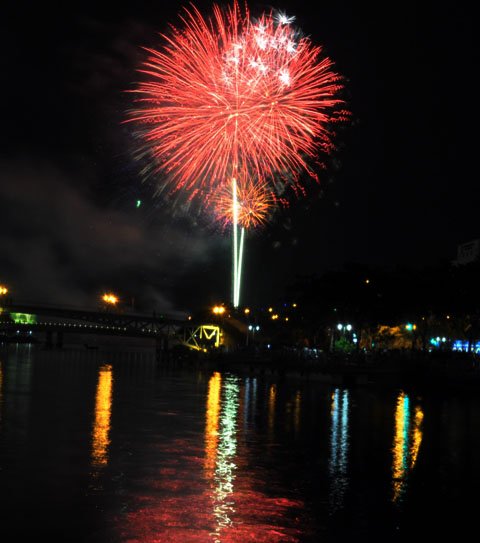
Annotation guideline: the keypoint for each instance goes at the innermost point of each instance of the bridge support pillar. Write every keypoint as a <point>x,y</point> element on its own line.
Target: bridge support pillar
<point>162,351</point>
<point>49,339</point>
<point>53,339</point>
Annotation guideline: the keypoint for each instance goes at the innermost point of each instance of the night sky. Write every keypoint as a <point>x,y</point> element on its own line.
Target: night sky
<point>400,189</point>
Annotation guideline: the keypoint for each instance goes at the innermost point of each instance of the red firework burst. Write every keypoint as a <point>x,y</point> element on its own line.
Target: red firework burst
<point>231,97</point>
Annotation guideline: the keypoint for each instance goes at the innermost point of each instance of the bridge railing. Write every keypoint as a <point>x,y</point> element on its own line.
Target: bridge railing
<point>20,306</point>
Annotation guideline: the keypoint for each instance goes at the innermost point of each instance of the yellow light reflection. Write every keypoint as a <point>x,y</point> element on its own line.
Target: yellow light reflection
<point>406,443</point>
<point>272,397</point>
<point>211,429</point>
<point>297,408</point>
<point>1,390</point>
<point>103,408</point>
<point>417,435</point>
<point>400,445</point>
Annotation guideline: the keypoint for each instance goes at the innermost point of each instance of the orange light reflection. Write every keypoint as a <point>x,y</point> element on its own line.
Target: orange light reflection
<point>103,408</point>
<point>211,430</point>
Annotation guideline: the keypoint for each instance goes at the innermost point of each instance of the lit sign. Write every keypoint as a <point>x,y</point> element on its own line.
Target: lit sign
<point>23,318</point>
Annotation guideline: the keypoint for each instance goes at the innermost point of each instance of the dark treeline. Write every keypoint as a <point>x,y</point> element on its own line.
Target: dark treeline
<point>441,299</point>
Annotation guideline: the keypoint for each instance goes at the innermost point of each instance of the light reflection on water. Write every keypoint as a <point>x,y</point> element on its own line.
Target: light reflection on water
<point>223,502</point>
<point>1,391</point>
<point>297,412</point>
<point>211,430</point>
<point>338,448</point>
<point>17,386</point>
<point>272,398</point>
<point>101,423</point>
<point>187,455</point>
<point>406,443</point>
<point>249,402</point>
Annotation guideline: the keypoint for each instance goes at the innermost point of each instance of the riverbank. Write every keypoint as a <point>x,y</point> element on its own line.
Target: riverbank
<point>389,368</point>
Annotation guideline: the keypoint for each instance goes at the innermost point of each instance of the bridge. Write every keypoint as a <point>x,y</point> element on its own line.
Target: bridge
<point>19,320</point>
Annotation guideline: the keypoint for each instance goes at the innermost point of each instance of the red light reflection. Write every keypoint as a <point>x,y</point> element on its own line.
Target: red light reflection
<point>211,494</point>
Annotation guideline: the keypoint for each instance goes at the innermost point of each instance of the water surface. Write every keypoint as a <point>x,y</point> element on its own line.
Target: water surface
<point>115,448</point>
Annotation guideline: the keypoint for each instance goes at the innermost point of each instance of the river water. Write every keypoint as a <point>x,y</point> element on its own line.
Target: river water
<point>112,447</point>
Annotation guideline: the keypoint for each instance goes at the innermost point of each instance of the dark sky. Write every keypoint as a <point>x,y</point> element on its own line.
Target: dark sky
<point>400,190</point>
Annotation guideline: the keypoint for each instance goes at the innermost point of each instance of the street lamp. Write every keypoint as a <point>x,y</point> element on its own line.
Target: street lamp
<point>110,299</point>
<point>3,294</point>
<point>342,328</point>
<point>252,328</point>
<point>411,328</point>
<point>218,310</point>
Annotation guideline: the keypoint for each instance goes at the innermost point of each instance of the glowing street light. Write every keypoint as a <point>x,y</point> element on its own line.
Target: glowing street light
<point>410,328</point>
<point>218,310</point>
<point>252,328</point>
<point>3,290</point>
<point>110,299</point>
<point>342,328</point>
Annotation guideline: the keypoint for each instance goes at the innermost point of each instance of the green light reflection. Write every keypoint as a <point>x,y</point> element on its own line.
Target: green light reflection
<point>224,476</point>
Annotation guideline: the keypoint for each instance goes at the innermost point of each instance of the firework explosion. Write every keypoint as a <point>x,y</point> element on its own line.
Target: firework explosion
<point>230,98</point>
<point>255,203</point>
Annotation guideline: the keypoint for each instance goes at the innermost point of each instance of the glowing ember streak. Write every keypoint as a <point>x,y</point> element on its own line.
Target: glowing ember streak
<point>236,255</point>
<point>228,97</point>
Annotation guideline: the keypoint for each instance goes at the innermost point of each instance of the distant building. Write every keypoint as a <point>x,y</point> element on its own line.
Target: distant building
<point>468,252</point>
